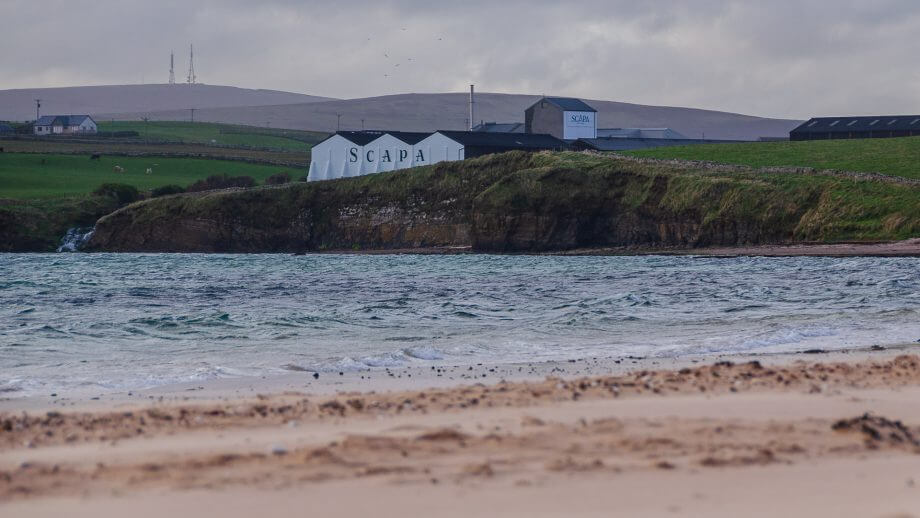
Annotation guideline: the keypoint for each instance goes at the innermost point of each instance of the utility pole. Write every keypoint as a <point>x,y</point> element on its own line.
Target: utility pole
<point>193,113</point>
<point>362,124</point>
<point>146,131</point>
<point>338,121</point>
<point>38,109</point>
<point>172,67</point>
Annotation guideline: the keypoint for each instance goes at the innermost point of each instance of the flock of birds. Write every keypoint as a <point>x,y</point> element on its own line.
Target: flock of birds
<point>386,55</point>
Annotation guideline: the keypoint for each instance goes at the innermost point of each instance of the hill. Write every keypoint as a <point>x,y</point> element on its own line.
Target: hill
<point>27,176</point>
<point>430,112</point>
<point>899,156</point>
<point>519,202</point>
<point>19,104</point>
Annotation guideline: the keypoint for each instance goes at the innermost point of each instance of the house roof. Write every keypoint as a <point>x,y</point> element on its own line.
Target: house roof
<point>5,128</point>
<point>508,140</point>
<point>500,127</point>
<point>409,137</point>
<point>357,137</point>
<point>64,120</point>
<point>567,103</point>
<point>860,124</point>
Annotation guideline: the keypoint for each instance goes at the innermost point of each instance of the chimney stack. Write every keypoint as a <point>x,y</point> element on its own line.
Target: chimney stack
<point>471,107</point>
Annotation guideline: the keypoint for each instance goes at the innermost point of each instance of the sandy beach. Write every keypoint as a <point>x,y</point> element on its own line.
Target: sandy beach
<point>834,434</point>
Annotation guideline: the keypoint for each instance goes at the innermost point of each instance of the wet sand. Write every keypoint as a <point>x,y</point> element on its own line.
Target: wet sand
<point>817,435</point>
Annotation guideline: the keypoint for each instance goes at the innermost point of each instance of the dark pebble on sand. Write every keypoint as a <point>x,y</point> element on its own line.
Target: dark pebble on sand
<point>814,351</point>
<point>54,394</point>
<point>878,348</point>
<point>316,375</point>
<point>341,373</point>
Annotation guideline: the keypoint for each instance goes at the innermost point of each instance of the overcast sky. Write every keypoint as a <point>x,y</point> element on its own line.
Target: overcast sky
<point>779,58</point>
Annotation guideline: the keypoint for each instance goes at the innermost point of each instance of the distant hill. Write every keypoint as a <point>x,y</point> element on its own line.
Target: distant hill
<point>19,105</point>
<point>429,112</point>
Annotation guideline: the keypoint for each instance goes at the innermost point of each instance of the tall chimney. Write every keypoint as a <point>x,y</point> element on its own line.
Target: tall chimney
<point>471,107</point>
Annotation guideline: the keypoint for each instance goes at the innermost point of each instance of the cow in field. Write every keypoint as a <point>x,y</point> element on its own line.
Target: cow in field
<point>149,170</point>
<point>118,169</point>
<point>95,156</point>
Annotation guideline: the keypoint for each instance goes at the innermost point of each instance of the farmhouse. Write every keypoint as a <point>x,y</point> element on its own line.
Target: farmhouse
<point>826,128</point>
<point>64,125</point>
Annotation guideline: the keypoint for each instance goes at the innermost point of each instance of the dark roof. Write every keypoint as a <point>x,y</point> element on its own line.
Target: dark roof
<point>5,128</point>
<point>628,144</point>
<point>358,137</point>
<point>500,127</point>
<point>861,124</point>
<point>508,140</point>
<point>64,120</point>
<point>409,137</point>
<point>567,103</point>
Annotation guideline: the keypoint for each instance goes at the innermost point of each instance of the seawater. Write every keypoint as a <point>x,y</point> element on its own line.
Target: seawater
<point>124,321</point>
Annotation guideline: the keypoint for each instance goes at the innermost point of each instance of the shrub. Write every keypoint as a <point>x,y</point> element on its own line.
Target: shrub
<point>278,179</point>
<point>166,190</point>
<point>123,193</point>
<point>221,181</point>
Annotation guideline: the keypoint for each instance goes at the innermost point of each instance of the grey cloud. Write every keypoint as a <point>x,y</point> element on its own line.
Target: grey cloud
<point>781,58</point>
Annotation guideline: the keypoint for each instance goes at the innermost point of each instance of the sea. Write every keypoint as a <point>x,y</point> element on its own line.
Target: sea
<point>115,322</point>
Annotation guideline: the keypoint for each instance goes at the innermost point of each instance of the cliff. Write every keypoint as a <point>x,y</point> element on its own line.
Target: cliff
<point>518,202</point>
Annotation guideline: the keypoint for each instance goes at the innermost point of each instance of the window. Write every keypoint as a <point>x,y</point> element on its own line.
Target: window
<point>892,121</point>
<point>852,122</point>
<point>835,123</point>
<point>812,123</point>
<point>915,121</point>
<point>876,121</point>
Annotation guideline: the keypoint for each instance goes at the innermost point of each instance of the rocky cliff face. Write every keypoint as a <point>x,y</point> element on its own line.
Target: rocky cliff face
<point>515,202</point>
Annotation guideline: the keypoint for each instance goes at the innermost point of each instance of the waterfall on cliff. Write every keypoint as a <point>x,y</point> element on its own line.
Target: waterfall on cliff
<point>75,238</point>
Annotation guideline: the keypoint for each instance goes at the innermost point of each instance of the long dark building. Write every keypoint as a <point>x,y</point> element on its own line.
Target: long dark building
<point>829,128</point>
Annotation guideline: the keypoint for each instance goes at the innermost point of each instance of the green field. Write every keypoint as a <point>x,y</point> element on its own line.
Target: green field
<point>900,156</point>
<point>218,134</point>
<point>30,176</point>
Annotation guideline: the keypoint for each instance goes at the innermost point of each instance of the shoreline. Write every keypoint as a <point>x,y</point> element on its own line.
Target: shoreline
<point>409,377</point>
<point>904,248</point>
<point>837,433</point>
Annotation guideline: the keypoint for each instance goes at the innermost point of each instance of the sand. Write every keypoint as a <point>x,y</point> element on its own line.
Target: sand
<point>797,435</point>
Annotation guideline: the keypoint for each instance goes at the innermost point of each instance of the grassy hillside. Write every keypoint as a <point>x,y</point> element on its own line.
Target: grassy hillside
<point>25,176</point>
<point>899,156</point>
<point>524,202</point>
<point>218,134</point>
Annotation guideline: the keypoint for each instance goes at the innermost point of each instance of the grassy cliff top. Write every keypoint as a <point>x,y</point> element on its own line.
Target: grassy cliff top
<point>899,156</point>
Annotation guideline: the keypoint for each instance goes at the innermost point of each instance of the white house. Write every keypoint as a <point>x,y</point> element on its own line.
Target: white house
<point>65,125</point>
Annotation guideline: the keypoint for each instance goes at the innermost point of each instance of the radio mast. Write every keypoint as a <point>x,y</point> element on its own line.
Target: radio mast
<point>172,68</point>
<point>191,65</point>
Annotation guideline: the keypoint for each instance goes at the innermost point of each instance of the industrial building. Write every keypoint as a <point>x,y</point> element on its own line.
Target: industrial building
<point>829,128</point>
<point>64,125</point>
<point>551,124</point>
<point>356,153</point>
<point>562,117</point>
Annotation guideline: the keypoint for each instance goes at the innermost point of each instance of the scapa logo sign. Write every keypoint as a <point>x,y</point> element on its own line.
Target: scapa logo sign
<point>579,118</point>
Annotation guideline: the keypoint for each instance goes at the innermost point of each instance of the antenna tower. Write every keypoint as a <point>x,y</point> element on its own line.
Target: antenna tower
<point>172,68</point>
<point>191,65</point>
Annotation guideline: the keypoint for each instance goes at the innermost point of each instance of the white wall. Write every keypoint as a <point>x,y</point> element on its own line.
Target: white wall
<point>439,148</point>
<point>338,157</point>
<point>576,125</point>
<point>387,153</point>
<point>88,125</point>
<point>335,157</point>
